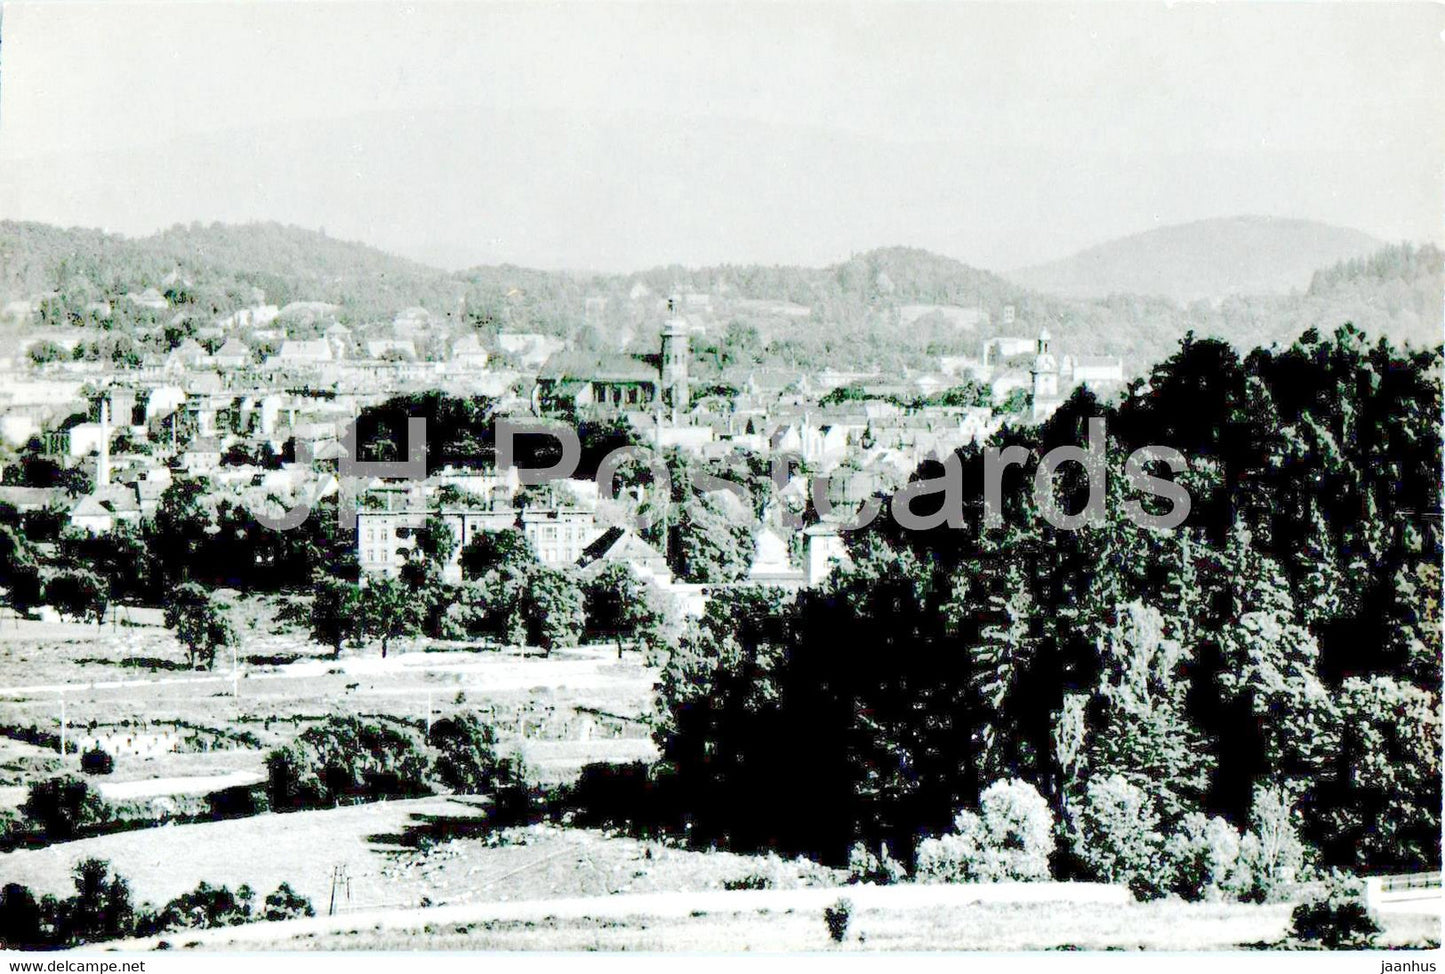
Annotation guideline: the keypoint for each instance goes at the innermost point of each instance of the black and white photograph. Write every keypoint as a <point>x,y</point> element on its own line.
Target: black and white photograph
<point>496,483</point>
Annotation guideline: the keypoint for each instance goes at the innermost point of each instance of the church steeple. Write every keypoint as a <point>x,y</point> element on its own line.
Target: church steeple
<point>1045,374</point>
<point>675,355</point>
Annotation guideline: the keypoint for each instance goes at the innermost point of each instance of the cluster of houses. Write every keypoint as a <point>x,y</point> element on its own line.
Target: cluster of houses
<point>256,407</point>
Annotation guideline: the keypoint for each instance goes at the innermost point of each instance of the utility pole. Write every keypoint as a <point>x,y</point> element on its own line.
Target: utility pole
<point>340,879</point>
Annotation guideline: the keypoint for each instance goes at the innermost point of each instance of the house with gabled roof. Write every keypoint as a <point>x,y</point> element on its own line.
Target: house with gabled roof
<point>301,353</point>
<point>234,354</point>
<point>189,354</point>
<point>101,511</point>
<point>620,545</point>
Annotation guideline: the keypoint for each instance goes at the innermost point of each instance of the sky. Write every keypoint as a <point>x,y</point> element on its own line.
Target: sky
<point>614,137</point>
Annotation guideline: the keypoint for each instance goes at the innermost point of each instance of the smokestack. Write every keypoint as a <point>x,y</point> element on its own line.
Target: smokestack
<point>102,466</point>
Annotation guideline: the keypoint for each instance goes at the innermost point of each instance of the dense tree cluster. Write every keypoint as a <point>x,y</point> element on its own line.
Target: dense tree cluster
<point>1271,668</point>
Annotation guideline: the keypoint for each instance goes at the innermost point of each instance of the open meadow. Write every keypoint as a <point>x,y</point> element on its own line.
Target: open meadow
<point>126,687</point>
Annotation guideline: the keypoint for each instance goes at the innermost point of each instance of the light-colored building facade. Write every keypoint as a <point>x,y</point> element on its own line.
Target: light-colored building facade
<point>560,535</point>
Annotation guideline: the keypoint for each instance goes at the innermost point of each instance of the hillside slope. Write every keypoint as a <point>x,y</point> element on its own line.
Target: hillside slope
<point>1206,259</point>
<point>226,261</point>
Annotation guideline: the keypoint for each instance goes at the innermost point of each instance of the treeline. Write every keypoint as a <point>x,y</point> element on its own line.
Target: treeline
<point>1274,664</point>
<point>103,908</point>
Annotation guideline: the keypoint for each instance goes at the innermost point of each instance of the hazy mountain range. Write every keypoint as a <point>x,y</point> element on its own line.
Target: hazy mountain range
<point>1205,259</point>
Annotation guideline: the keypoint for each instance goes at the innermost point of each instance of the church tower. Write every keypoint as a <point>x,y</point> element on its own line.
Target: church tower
<point>1045,373</point>
<point>102,460</point>
<point>675,354</point>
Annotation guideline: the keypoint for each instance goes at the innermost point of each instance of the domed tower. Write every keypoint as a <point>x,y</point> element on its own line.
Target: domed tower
<point>675,354</point>
<point>1045,373</point>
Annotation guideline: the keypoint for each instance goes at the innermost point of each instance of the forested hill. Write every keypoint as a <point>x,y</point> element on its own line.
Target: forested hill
<point>851,312</point>
<point>217,264</point>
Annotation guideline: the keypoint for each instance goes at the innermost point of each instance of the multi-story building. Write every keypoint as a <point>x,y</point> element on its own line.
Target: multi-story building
<point>559,535</point>
<point>386,538</point>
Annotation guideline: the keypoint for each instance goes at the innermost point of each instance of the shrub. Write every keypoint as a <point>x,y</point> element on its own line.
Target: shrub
<point>837,917</point>
<point>953,858</point>
<point>285,904</point>
<point>1009,838</point>
<point>466,758</point>
<point>1337,918</point>
<point>12,829</point>
<point>468,762</point>
<point>1201,859</point>
<point>63,807</point>
<point>1115,833</point>
<point>750,881</point>
<point>97,761</point>
<point>209,906</point>
<point>881,869</point>
<point>204,907</point>
<point>22,921</point>
<point>345,759</point>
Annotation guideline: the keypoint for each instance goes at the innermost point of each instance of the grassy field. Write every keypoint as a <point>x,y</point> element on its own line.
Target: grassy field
<point>977,926</point>
<point>400,854</point>
<point>127,684</point>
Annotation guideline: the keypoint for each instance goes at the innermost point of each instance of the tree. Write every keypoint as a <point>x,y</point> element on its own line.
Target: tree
<point>467,759</point>
<point>79,594</point>
<point>1260,692</point>
<point>27,589</point>
<point>334,611</point>
<point>620,605</point>
<point>19,571</point>
<point>203,908</point>
<point>491,550</point>
<point>179,530</point>
<point>387,610</point>
<point>1377,807</point>
<point>286,904</point>
<point>101,908</point>
<point>1115,831</point>
<point>1143,732</point>
<point>436,541</point>
<point>23,923</point>
<point>554,609</point>
<point>15,553</point>
<point>120,556</point>
<point>200,622</point>
<point>707,545</point>
<point>63,807</point>
<point>345,759</point>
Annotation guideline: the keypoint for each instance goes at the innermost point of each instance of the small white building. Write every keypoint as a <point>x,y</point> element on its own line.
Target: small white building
<point>467,353</point>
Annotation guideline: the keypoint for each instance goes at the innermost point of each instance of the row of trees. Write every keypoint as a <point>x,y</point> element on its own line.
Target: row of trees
<point>505,595</point>
<point>103,908</point>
